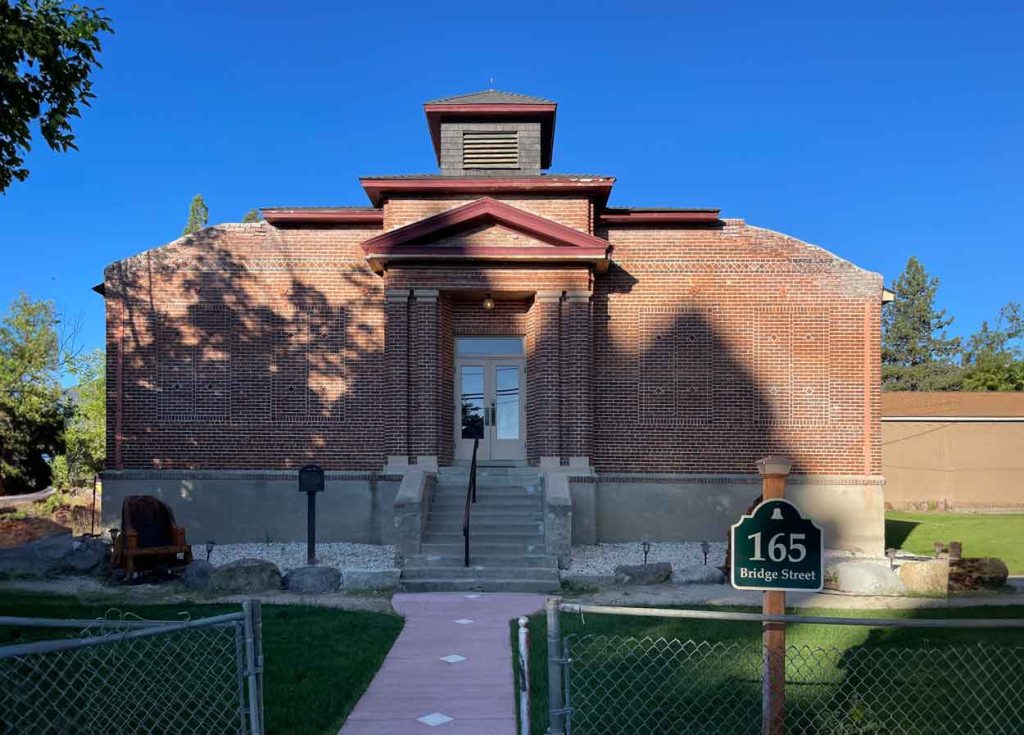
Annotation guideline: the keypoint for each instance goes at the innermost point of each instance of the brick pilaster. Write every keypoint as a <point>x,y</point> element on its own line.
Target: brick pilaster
<point>424,365</point>
<point>396,359</point>
<point>577,360</point>
<point>543,387</point>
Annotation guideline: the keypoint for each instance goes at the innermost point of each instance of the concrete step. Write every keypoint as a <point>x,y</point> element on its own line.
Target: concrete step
<point>482,536</point>
<point>486,510</point>
<point>505,499</point>
<point>533,561</point>
<point>509,505</point>
<point>480,585</point>
<point>451,524</point>
<point>476,546</point>
<point>479,572</point>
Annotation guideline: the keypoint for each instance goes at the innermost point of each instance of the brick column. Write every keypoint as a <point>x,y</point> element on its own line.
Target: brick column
<point>396,361</point>
<point>577,360</point>
<point>543,388</point>
<point>425,393</point>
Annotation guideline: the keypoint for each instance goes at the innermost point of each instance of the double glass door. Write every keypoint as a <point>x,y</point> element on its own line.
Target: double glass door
<point>489,397</point>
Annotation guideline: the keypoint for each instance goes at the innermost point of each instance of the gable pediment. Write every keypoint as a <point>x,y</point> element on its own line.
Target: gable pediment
<point>487,229</point>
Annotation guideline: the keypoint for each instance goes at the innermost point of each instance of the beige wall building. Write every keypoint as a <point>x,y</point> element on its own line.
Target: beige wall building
<point>953,450</point>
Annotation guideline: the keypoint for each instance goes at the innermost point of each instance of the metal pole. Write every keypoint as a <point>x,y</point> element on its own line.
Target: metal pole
<point>556,706</point>
<point>311,528</point>
<point>773,680</point>
<point>524,677</point>
<point>255,710</point>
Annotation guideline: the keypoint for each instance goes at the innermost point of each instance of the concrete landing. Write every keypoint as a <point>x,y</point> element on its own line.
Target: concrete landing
<point>418,691</point>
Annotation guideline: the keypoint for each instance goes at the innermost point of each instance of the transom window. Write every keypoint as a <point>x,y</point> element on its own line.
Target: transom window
<point>471,346</point>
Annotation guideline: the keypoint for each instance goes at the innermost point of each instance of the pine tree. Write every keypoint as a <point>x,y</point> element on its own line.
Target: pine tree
<point>253,215</point>
<point>916,353</point>
<point>198,214</point>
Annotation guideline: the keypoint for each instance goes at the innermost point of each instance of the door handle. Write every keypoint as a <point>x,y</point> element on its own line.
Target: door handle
<point>494,415</point>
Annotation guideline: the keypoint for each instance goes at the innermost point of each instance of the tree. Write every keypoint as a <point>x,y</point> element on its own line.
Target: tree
<point>47,54</point>
<point>253,215</point>
<point>32,414</point>
<point>994,357</point>
<point>85,433</point>
<point>916,353</point>
<point>198,215</point>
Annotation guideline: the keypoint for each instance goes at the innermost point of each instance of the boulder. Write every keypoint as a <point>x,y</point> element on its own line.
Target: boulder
<point>865,578</point>
<point>55,555</point>
<point>656,573</point>
<point>245,576</point>
<point>312,580</point>
<point>929,577</point>
<point>88,555</point>
<point>370,579</point>
<point>197,574</point>
<point>698,574</point>
<point>985,573</point>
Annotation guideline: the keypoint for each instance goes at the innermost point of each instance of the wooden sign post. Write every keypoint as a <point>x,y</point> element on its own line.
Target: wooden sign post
<point>774,471</point>
<point>775,549</point>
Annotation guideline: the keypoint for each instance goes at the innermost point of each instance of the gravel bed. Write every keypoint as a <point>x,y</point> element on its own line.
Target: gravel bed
<point>290,555</point>
<point>603,558</point>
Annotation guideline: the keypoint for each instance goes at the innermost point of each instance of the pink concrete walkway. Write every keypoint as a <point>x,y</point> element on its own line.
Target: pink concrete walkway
<point>417,690</point>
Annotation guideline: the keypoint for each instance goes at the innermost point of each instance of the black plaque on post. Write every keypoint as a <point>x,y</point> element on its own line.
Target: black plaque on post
<point>311,482</point>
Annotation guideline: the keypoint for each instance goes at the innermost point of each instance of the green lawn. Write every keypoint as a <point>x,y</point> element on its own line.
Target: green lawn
<point>319,661</point>
<point>999,535</point>
<point>716,688</point>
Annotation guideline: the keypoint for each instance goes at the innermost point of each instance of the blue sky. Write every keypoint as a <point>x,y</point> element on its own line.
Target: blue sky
<point>878,130</point>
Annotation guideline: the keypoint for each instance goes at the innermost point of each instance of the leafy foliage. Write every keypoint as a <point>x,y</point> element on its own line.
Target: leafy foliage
<point>253,215</point>
<point>85,433</point>
<point>994,357</point>
<point>198,215</point>
<point>47,53</point>
<point>916,353</point>
<point>32,412</point>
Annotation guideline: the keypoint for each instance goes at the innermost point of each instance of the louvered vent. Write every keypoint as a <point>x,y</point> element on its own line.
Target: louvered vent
<point>490,149</point>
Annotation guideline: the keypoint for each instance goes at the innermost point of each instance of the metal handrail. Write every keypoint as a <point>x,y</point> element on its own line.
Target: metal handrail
<point>470,499</point>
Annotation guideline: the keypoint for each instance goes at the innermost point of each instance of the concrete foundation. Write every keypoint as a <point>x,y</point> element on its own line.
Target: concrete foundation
<point>663,507</point>
<point>242,506</point>
<point>259,506</point>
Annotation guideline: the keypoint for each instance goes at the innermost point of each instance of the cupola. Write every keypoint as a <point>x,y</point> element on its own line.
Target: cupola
<point>492,133</point>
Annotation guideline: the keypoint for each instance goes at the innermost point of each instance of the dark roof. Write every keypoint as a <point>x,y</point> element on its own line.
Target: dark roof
<point>927,403</point>
<point>491,97</point>
<point>546,175</point>
<point>661,209</point>
<point>343,208</point>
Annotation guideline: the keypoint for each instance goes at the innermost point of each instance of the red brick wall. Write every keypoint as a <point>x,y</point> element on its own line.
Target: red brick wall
<point>246,346</point>
<point>569,211</point>
<point>250,346</point>
<point>713,347</point>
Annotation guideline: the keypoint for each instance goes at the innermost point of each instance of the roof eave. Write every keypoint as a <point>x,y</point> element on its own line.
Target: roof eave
<point>378,190</point>
<point>323,216</point>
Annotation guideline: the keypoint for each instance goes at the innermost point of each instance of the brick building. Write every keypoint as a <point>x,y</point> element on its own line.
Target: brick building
<point>640,358</point>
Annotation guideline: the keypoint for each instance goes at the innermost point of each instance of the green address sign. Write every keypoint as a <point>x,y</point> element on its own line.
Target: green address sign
<point>775,548</point>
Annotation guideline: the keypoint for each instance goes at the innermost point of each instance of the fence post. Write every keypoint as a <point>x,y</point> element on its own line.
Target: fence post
<point>774,471</point>
<point>252,675</point>
<point>524,676</point>
<point>556,706</point>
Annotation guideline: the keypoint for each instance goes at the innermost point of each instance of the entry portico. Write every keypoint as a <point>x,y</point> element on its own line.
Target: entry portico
<point>506,294</point>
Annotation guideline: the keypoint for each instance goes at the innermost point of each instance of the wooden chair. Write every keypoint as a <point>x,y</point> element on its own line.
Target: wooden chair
<point>149,537</point>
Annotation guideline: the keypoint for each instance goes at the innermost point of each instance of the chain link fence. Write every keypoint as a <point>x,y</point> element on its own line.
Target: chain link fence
<point>131,675</point>
<point>623,685</point>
